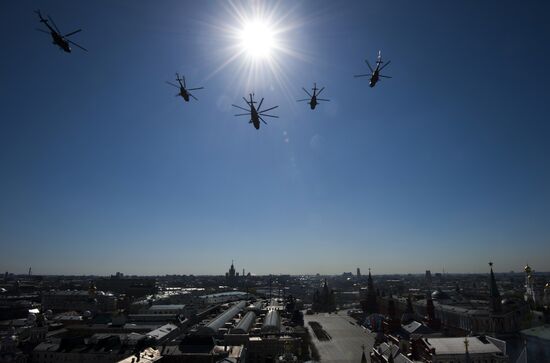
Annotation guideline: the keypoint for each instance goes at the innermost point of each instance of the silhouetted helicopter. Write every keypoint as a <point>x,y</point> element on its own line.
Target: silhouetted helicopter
<point>313,101</point>
<point>375,74</point>
<point>60,40</point>
<point>255,113</point>
<point>184,92</point>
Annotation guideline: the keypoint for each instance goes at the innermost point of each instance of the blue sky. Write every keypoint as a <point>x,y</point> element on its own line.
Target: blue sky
<point>446,165</point>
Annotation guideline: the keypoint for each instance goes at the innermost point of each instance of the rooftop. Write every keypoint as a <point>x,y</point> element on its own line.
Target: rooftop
<point>148,355</point>
<point>167,307</point>
<point>542,332</point>
<point>451,346</point>
<point>161,332</point>
<point>227,293</point>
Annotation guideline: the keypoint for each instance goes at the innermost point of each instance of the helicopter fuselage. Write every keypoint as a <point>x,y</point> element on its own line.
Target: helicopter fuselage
<point>254,118</point>
<point>60,42</point>
<point>57,38</point>
<point>313,102</point>
<point>374,78</point>
<point>184,94</point>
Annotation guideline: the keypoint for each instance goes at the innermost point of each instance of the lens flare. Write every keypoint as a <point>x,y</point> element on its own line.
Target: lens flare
<point>257,39</point>
<point>257,45</point>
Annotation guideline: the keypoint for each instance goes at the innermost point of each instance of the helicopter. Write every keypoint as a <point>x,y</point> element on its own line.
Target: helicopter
<point>375,74</point>
<point>313,100</point>
<point>184,92</point>
<point>255,113</point>
<point>60,40</point>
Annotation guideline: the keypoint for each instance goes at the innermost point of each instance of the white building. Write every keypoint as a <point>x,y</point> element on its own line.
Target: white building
<point>476,349</point>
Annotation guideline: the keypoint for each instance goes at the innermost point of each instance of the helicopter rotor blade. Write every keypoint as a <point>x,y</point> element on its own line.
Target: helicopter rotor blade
<point>54,25</point>
<point>269,109</point>
<point>260,117</point>
<point>172,84</point>
<point>196,99</point>
<point>42,30</point>
<point>242,108</point>
<point>305,90</point>
<point>368,64</point>
<point>385,65</point>
<point>260,104</point>
<point>269,116</point>
<point>77,45</point>
<point>193,89</point>
<point>305,99</point>
<point>71,33</point>
<point>323,99</point>
<point>384,76</point>
<point>362,75</point>
<point>184,86</point>
<point>321,90</point>
<point>242,114</point>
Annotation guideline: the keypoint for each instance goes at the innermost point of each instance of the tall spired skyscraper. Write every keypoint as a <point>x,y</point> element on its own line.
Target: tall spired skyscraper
<point>231,277</point>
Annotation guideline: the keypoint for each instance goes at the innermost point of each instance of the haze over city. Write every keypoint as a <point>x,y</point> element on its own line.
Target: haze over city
<point>445,166</point>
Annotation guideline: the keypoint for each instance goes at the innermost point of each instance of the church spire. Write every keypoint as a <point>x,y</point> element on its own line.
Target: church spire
<point>494,295</point>
<point>370,305</point>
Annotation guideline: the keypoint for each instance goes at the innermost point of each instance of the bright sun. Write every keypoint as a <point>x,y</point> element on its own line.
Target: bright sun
<point>257,39</point>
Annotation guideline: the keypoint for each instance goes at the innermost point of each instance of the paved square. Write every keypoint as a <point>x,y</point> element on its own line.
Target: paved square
<point>347,338</point>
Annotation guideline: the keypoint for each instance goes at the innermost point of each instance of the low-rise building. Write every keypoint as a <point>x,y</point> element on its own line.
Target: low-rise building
<point>78,300</point>
<point>447,350</point>
<point>177,309</point>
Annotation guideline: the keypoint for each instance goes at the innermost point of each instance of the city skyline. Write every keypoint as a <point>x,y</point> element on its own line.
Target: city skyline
<point>443,272</point>
<point>443,166</point>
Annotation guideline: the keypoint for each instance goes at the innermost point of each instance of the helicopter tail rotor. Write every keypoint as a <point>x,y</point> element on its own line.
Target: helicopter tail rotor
<point>54,25</point>
<point>42,20</point>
